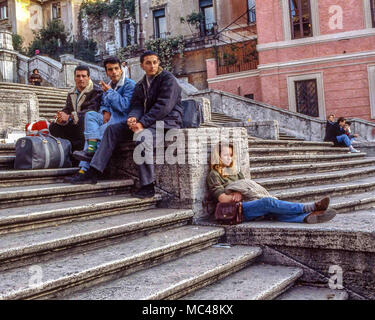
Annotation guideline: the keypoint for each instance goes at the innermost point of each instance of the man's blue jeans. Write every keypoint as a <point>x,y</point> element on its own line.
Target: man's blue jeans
<point>94,130</point>
<point>280,210</point>
<point>344,138</point>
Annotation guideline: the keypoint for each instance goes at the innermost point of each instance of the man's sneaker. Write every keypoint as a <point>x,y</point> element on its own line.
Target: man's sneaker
<point>90,176</point>
<point>145,192</point>
<point>83,155</point>
<point>322,204</point>
<point>320,216</point>
<point>71,178</point>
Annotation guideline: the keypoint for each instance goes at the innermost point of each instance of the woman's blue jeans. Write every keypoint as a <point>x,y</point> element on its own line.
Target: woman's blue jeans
<point>280,210</point>
<point>94,130</point>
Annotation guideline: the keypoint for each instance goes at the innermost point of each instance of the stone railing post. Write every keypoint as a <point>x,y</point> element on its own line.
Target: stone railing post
<point>8,58</point>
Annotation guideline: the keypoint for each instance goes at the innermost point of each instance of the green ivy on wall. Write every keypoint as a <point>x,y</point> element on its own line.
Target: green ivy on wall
<point>165,48</point>
<point>96,10</point>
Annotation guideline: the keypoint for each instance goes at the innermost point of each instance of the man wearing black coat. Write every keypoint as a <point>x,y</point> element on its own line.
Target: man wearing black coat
<point>157,97</point>
<point>85,96</point>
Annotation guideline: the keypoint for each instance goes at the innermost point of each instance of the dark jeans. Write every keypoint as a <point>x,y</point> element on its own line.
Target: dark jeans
<point>113,135</point>
<point>72,132</point>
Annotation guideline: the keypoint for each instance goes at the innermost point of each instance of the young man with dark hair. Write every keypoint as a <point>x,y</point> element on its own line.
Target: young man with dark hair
<point>114,109</point>
<point>157,97</point>
<point>85,96</point>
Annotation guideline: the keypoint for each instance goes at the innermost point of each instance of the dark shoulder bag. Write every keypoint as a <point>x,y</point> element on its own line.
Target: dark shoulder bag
<point>229,213</point>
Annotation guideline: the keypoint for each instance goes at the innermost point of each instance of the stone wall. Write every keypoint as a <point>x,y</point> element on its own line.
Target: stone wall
<point>17,109</point>
<point>292,123</point>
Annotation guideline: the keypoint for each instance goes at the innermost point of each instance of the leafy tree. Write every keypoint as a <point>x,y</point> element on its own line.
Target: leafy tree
<point>18,43</point>
<point>52,40</point>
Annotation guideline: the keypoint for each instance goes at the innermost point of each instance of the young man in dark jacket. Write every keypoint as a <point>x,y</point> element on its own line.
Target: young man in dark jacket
<point>157,97</point>
<point>85,96</point>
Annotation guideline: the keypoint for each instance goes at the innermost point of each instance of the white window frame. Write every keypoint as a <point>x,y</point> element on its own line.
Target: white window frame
<point>56,2</point>
<point>286,19</point>
<point>371,85</point>
<point>320,87</point>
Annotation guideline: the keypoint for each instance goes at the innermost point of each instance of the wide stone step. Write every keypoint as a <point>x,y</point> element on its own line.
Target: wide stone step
<point>287,182</point>
<point>27,195</point>
<point>12,178</point>
<point>45,215</point>
<point>277,171</point>
<point>335,189</point>
<point>51,107</point>
<point>44,100</point>
<point>81,270</point>
<point>288,160</point>
<point>349,232</point>
<point>28,86</point>
<point>287,143</point>
<point>174,279</point>
<point>7,149</point>
<point>257,282</point>
<point>39,93</point>
<point>353,202</point>
<point>255,152</point>
<point>7,162</point>
<point>26,247</point>
<point>313,293</point>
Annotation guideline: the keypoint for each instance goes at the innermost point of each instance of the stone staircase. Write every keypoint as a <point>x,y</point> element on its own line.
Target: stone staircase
<point>60,241</point>
<point>50,99</point>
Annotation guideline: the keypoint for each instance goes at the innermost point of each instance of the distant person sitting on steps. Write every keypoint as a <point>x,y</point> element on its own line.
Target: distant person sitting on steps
<point>85,96</point>
<point>338,137</point>
<point>114,108</point>
<point>329,126</point>
<point>258,203</point>
<point>35,78</point>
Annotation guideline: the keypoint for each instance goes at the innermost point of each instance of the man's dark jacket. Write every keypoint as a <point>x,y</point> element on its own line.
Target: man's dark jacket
<point>334,131</point>
<point>89,100</point>
<point>161,102</point>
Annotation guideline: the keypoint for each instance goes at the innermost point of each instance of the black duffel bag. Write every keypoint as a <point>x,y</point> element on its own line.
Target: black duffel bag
<point>42,152</point>
<point>192,116</point>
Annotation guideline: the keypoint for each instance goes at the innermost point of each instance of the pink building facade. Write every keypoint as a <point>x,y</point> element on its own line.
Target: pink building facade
<point>316,57</point>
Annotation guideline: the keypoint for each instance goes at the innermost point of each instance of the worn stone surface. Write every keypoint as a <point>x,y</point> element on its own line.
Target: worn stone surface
<point>23,243</point>
<point>357,267</point>
<point>26,177</point>
<point>316,178</point>
<point>173,278</point>
<point>95,264</point>
<point>10,196</point>
<point>313,293</point>
<point>17,109</point>
<point>351,232</point>
<point>288,170</point>
<point>309,193</point>
<point>42,215</point>
<point>258,282</point>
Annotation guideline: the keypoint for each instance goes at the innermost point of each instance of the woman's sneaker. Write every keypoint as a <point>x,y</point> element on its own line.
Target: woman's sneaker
<point>320,216</point>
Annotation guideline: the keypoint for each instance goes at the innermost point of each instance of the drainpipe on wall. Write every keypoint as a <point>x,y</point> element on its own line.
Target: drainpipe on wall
<point>141,38</point>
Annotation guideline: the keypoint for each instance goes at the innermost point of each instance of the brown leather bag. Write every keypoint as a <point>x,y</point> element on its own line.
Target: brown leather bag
<point>229,213</point>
